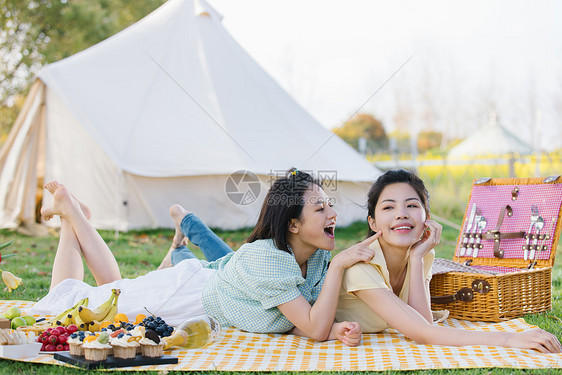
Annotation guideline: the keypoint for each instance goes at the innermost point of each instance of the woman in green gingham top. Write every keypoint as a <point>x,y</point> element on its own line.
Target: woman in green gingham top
<point>282,280</point>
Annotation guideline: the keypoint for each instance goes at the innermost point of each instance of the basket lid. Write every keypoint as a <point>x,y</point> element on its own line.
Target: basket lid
<point>507,218</point>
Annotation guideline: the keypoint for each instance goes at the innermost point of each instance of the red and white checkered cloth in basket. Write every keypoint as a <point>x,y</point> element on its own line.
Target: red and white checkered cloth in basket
<point>490,200</point>
<point>441,265</point>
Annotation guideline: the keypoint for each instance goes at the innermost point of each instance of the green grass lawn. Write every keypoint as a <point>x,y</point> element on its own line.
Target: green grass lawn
<point>138,252</point>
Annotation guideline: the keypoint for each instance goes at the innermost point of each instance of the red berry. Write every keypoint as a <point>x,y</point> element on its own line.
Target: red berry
<point>61,329</point>
<point>49,330</point>
<point>55,332</point>
<point>53,339</point>
<point>62,339</point>
<point>60,347</point>
<point>50,348</point>
<point>66,347</point>
<point>71,329</point>
<point>43,347</point>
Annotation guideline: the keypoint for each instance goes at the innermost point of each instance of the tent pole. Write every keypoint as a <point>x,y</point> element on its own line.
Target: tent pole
<point>119,202</point>
<point>511,165</point>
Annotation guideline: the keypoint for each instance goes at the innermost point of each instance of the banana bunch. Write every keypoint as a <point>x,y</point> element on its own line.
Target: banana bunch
<point>67,317</point>
<point>105,311</point>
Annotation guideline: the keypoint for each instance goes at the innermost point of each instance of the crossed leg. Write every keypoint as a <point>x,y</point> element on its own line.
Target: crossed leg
<point>78,238</point>
<point>177,213</point>
<point>188,225</point>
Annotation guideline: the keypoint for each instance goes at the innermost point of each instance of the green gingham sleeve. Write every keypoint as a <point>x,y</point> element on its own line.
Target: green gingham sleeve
<point>272,276</point>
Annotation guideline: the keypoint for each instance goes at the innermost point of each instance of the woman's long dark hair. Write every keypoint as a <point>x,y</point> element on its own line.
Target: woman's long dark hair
<point>394,177</point>
<point>284,201</point>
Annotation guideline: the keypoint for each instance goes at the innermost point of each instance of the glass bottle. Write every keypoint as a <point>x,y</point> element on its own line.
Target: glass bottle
<point>194,333</point>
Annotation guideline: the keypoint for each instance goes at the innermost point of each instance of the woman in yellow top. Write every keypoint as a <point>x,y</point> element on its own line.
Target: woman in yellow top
<point>392,290</point>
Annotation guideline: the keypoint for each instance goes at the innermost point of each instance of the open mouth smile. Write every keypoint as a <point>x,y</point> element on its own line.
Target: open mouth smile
<point>329,230</point>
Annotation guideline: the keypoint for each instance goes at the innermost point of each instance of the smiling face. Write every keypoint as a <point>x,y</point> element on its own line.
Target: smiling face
<point>314,229</point>
<point>400,215</point>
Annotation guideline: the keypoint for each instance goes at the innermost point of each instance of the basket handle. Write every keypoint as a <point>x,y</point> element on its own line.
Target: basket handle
<point>463,294</point>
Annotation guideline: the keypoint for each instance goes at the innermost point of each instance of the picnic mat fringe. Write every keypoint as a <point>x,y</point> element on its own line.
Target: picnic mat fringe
<point>389,350</point>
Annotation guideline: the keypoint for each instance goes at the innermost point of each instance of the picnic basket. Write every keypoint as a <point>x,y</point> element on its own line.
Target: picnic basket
<point>503,264</point>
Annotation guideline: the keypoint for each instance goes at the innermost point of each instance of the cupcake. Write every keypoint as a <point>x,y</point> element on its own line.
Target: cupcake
<point>97,349</point>
<point>151,345</point>
<point>125,345</point>
<point>75,342</point>
<point>138,333</point>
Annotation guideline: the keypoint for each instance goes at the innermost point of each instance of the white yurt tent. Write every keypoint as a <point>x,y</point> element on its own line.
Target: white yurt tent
<point>493,139</point>
<point>170,110</point>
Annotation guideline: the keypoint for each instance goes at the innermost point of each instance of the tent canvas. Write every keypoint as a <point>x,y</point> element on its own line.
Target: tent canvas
<point>165,112</point>
<point>491,139</point>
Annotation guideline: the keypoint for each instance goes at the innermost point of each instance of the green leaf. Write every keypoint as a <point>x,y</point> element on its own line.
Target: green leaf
<point>4,245</point>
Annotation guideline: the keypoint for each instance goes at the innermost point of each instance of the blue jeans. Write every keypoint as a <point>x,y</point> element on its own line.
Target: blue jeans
<point>199,234</point>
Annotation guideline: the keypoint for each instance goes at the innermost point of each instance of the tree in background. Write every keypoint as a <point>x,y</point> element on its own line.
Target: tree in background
<point>428,140</point>
<point>365,126</point>
<point>38,32</point>
<point>401,141</point>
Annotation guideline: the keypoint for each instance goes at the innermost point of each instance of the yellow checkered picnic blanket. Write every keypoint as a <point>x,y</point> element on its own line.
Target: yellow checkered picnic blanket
<point>241,351</point>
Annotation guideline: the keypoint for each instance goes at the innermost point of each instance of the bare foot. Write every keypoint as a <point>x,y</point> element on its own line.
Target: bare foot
<point>63,202</point>
<point>177,213</point>
<point>52,187</point>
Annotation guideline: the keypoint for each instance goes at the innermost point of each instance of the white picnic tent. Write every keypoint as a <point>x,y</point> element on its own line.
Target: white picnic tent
<point>491,139</point>
<point>166,111</point>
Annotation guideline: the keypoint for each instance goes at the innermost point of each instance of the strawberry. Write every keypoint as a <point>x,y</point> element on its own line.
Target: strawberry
<point>62,338</point>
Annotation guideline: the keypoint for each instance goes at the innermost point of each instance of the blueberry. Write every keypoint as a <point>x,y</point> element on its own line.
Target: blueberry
<point>74,335</point>
<point>170,329</point>
<point>120,335</point>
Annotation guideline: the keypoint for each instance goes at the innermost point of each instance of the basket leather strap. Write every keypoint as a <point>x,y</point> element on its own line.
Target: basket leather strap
<point>496,235</point>
<point>463,294</point>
